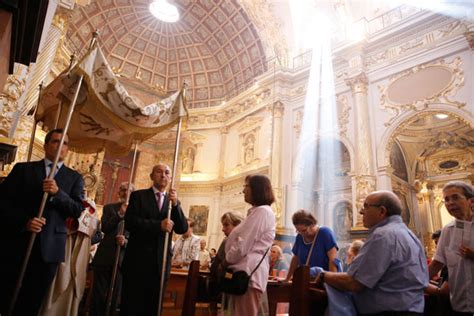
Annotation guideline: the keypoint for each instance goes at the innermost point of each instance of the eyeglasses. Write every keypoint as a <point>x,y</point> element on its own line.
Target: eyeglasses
<point>453,198</point>
<point>367,205</point>
<point>302,231</point>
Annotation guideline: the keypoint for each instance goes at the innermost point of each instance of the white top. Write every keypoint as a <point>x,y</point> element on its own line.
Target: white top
<point>186,250</point>
<point>204,257</point>
<point>248,242</point>
<point>460,270</point>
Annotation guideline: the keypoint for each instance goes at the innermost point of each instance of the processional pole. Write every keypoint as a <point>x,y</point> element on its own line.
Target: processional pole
<point>120,231</point>
<point>60,105</point>
<point>33,129</point>
<point>167,235</point>
<point>45,195</point>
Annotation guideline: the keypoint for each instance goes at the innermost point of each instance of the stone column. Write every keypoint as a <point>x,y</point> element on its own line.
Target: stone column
<point>364,173</point>
<point>45,60</point>
<point>224,131</point>
<point>275,168</point>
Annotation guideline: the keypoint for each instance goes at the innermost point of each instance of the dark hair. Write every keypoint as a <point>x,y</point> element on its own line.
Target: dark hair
<point>303,217</point>
<point>261,189</point>
<point>48,136</point>
<point>436,234</point>
<point>391,202</point>
<point>466,188</point>
<point>190,222</point>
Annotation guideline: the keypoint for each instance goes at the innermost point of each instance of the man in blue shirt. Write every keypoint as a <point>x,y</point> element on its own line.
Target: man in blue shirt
<point>390,272</point>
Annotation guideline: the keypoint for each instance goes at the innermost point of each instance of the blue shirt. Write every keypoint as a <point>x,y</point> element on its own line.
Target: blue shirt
<point>392,266</point>
<point>324,242</point>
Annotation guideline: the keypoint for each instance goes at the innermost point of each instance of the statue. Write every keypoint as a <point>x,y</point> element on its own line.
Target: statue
<point>187,165</point>
<point>249,149</point>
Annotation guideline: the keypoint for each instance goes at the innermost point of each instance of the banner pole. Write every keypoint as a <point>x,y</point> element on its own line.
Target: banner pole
<point>167,235</point>
<point>33,129</point>
<point>120,231</point>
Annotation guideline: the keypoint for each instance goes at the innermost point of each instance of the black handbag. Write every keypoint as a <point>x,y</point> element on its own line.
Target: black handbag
<point>237,283</point>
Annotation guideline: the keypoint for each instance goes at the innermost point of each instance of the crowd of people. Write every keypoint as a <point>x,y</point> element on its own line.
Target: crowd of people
<point>386,274</point>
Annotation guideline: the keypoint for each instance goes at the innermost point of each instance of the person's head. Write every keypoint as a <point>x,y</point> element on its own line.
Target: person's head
<point>202,244</point>
<point>229,221</point>
<point>189,232</point>
<point>275,253</point>
<point>213,252</point>
<point>378,206</point>
<point>305,223</point>
<point>122,193</point>
<point>353,250</point>
<point>161,176</point>
<point>435,236</point>
<point>458,198</point>
<point>258,190</point>
<point>51,144</point>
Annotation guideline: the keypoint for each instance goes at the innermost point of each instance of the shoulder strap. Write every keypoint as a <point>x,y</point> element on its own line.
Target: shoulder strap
<point>258,265</point>
<point>312,246</point>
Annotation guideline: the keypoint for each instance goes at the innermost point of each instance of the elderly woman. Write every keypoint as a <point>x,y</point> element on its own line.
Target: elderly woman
<point>317,242</point>
<point>278,264</point>
<point>353,250</point>
<point>247,244</point>
<point>229,221</point>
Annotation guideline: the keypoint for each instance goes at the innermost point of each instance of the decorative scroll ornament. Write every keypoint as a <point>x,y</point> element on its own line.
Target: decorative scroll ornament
<point>396,102</point>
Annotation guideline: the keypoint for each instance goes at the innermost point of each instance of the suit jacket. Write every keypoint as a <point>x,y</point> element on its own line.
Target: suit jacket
<point>146,241</point>
<point>21,194</point>
<point>105,255</point>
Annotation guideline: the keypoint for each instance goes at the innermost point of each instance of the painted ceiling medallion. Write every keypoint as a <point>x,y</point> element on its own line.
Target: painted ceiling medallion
<point>418,87</point>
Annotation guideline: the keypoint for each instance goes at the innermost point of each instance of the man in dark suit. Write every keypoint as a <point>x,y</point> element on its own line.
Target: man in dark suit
<point>104,258</point>
<point>21,194</point>
<point>146,220</point>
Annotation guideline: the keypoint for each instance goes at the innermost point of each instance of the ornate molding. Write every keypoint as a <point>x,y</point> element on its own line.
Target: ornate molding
<point>343,114</point>
<point>414,44</point>
<point>229,112</point>
<point>470,39</point>
<point>443,96</point>
<point>14,88</point>
<point>358,83</point>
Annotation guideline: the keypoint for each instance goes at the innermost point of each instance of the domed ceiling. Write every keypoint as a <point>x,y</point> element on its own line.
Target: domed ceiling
<point>214,46</point>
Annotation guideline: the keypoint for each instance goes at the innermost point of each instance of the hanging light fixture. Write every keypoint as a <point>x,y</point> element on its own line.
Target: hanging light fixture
<point>164,11</point>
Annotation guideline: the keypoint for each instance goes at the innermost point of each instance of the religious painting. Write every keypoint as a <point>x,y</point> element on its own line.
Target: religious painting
<point>397,161</point>
<point>199,214</point>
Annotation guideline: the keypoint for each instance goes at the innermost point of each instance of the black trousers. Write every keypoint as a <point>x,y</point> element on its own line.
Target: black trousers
<point>140,291</point>
<point>37,280</point>
<point>100,290</point>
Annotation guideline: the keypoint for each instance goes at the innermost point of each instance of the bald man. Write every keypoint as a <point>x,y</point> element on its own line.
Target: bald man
<point>390,273</point>
<point>146,221</point>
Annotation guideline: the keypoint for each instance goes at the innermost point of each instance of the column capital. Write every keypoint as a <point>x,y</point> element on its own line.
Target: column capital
<point>278,109</point>
<point>470,38</point>
<point>61,18</point>
<point>358,83</point>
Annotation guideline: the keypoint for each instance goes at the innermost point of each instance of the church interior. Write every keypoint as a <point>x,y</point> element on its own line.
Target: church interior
<point>329,99</point>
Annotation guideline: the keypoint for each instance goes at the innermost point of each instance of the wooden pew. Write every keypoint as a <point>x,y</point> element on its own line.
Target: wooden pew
<point>190,294</point>
<point>304,299</point>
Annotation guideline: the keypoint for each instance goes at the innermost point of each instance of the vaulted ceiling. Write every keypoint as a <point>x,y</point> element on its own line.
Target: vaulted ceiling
<point>214,47</point>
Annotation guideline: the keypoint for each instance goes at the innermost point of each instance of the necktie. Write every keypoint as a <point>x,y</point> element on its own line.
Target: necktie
<point>160,197</point>
<point>50,166</point>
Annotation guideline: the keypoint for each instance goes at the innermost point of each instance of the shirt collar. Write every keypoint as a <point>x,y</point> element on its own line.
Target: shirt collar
<point>390,219</point>
<point>47,162</point>
<point>155,190</point>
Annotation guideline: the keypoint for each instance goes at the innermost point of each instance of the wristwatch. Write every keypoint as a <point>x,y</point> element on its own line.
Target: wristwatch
<point>321,277</point>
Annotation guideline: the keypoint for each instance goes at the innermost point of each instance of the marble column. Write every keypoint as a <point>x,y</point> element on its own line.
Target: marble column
<point>45,60</point>
<point>275,168</point>
<point>224,131</point>
<point>364,177</point>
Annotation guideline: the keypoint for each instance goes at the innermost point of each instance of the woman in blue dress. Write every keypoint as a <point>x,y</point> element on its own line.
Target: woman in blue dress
<point>318,240</point>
